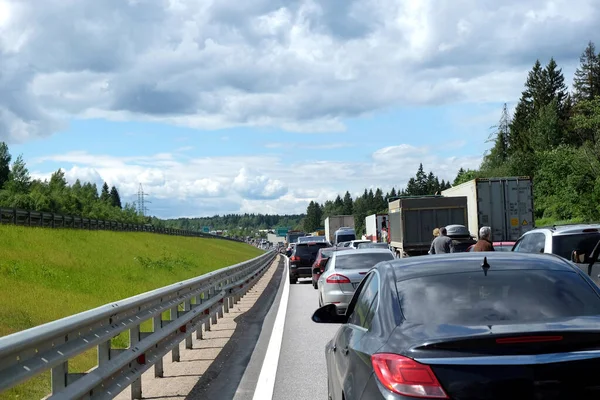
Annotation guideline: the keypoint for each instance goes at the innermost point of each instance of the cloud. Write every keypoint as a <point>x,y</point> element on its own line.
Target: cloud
<point>265,184</point>
<point>298,65</point>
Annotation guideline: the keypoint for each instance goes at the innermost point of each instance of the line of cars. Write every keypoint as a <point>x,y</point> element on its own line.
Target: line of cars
<point>494,325</point>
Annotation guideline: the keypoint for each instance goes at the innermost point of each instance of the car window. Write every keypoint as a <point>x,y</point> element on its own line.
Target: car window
<point>326,253</point>
<point>532,243</point>
<point>563,245</point>
<point>361,261</point>
<point>507,296</point>
<point>367,297</point>
<point>345,238</point>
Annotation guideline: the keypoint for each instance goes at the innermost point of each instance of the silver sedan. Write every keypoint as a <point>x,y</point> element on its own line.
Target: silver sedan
<point>344,271</point>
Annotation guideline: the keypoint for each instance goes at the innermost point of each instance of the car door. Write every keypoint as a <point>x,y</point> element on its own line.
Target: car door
<point>347,358</point>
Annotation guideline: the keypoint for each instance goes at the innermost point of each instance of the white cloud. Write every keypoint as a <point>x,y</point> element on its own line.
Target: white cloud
<point>261,184</point>
<point>300,65</point>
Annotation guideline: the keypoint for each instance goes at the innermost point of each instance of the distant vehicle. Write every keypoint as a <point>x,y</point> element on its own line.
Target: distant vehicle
<point>370,245</point>
<point>374,225</point>
<point>579,243</point>
<point>339,223</point>
<point>344,271</point>
<point>343,244</point>
<point>302,259</point>
<point>504,204</point>
<point>292,236</point>
<point>461,326</point>
<point>354,243</point>
<point>413,219</point>
<point>500,246</point>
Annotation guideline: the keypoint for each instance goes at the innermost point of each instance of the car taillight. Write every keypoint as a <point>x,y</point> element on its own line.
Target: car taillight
<point>407,377</point>
<point>337,278</point>
<point>295,258</point>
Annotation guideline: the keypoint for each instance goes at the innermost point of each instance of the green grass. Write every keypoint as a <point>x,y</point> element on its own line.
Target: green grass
<point>47,274</point>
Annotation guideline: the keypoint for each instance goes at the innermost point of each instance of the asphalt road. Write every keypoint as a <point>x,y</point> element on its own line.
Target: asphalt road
<point>301,373</point>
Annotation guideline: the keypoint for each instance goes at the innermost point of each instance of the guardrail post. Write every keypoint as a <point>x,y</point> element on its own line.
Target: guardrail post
<point>199,330</point>
<point>136,386</point>
<point>59,377</point>
<point>222,301</point>
<point>187,306</point>
<point>175,356</point>
<point>159,370</point>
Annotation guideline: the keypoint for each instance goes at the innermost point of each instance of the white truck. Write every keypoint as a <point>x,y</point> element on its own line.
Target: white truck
<point>503,204</point>
<point>374,225</point>
<point>334,223</point>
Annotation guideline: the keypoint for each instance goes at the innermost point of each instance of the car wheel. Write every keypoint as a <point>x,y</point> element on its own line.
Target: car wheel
<point>315,285</point>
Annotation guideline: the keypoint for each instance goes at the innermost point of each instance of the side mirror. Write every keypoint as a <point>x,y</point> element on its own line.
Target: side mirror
<point>328,315</point>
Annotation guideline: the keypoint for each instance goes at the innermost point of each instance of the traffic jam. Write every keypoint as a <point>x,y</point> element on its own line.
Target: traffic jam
<point>456,296</point>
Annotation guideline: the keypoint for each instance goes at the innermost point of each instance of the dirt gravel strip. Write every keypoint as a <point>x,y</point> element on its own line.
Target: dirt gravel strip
<point>181,377</point>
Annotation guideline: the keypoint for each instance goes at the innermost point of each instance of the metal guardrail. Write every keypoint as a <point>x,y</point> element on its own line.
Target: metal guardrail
<point>192,303</point>
<point>20,217</point>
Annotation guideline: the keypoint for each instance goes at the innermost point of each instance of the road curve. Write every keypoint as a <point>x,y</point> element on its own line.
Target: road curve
<point>301,373</point>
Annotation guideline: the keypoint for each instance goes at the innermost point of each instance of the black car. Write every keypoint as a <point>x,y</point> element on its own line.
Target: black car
<point>468,326</point>
<point>302,259</point>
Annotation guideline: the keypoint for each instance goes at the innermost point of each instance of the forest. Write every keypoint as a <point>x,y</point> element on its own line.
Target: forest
<point>19,190</point>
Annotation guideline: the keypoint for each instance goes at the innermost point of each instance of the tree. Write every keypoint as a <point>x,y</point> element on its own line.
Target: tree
<point>5,159</point>
<point>586,83</point>
<point>58,183</point>
<point>115,198</point>
<point>105,195</point>
<point>347,204</point>
<point>313,217</point>
<point>19,179</point>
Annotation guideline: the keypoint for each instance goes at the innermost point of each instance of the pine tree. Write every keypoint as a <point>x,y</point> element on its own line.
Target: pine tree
<point>19,180</point>
<point>5,159</point>
<point>105,195</point>
<point>586,83</point>
<point>347,204</point>
<point>115,198</point>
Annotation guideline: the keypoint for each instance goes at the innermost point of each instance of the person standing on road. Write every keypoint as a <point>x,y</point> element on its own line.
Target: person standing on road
<point>442,244</point>
<point>485,240</point>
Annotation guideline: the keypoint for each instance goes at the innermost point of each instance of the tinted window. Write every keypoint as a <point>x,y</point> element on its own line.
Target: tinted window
<point>326,253</point>
<point>361,315</point>
<point>345,238</point>
<point>563,245</point>
<point>361,261</point>
<point>516,296</point>
<point>309,250</point>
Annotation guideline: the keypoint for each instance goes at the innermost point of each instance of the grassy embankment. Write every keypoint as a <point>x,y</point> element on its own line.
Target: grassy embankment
<point>47,274</point>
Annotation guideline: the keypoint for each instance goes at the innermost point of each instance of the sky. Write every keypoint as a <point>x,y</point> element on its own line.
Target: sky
<point>226,106</point>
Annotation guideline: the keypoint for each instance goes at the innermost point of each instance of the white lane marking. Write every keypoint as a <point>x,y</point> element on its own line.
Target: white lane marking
<point>266,380</point>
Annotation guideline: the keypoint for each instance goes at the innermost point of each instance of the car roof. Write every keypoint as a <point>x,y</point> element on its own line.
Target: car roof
<point>565,229</point>
<point>414,267</point>
<point>361,251</point>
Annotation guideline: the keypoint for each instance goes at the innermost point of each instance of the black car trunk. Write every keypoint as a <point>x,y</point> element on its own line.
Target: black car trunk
<point>542,365</point>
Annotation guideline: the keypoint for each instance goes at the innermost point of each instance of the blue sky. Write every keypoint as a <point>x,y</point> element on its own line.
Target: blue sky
<point>215,109</point>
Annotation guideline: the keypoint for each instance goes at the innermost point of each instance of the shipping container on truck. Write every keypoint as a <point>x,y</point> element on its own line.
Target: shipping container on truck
<point>374,225</point>
<point>503,204</point>
<point>413,219</point>
<point>336,222</point>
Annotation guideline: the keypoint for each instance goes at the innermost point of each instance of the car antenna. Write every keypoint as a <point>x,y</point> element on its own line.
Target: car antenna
<point>485,266</point>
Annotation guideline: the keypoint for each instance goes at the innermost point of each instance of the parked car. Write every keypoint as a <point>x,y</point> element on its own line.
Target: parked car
<point>344,271</point>
<point>302,259</point>
<point>467,326</point>
<point>576,243</point>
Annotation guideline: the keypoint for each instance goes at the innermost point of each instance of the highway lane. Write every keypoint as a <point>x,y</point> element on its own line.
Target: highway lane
<point>301,372</point>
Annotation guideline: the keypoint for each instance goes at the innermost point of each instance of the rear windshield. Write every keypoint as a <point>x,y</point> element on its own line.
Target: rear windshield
<point>471,298</point>
<point>373,246</point>
<point>563,245</point>
<point>326,253</point>
<point>309,250</point>
<point>345,238</point>
<point>361,261</point>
